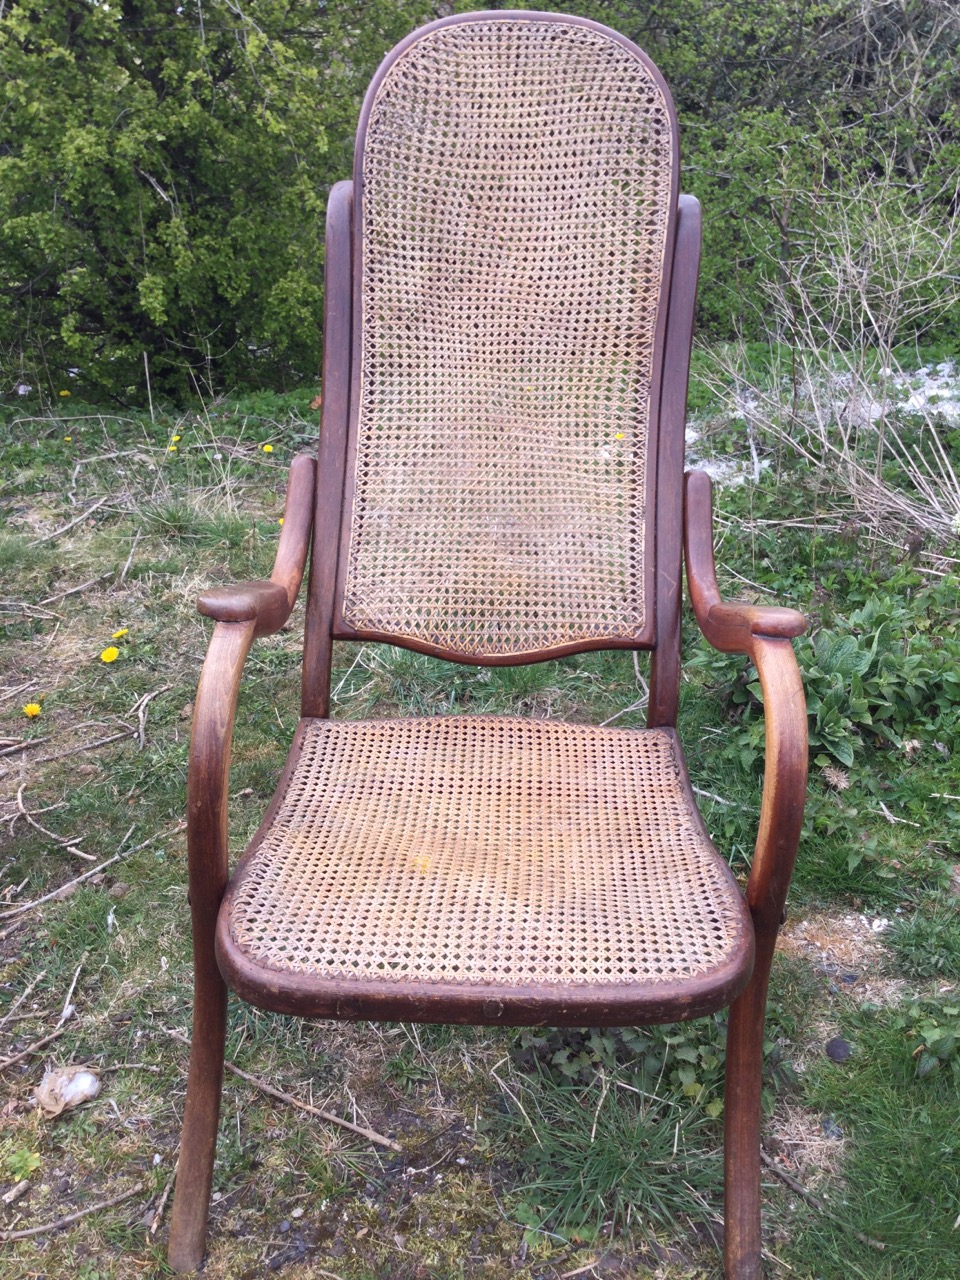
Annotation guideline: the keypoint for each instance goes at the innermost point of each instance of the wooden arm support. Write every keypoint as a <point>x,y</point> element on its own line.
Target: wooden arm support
<point>764,635</point>
<point>729,625</point>
<point>269,602</point>
<point>242,612</point>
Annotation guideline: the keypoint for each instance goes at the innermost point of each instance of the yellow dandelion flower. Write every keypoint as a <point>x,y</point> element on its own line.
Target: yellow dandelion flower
<point>172,449</point>
<point>267,448</point>
<point>280,521</point>
<point>175,439</point>
<point>64,393</point>
<point>118,635</point>
<point>618,436</point>
<point>32,709</point>
<point>67,439</point>
<point>110,654</point>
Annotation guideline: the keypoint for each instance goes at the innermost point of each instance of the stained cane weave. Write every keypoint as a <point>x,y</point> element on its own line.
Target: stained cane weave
<point>485,850</point>
<point>516,191</point>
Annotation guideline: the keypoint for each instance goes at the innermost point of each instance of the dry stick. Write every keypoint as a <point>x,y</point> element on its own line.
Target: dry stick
<point>141,710</point>
<point>12,693</point>
<point>24,744</point>
<point>158,1216</point>
<point>65,843</point>
<point>370,1134</point>
<point>62,595</point>
<point>48,537</point>
<point>87,746</point>
<point>55,893</point>
<point>21,997</point>
<point>67,1010</point>
<point>123,574</point>
<point>818,1203</point>
<point>71,1217</point>
<point>30,1049</point>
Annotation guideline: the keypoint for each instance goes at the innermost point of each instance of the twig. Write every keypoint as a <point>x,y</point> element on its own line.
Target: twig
<point>708,795</point>
<point>21,997</point>
<point>48,537</point>
<point>71,1217</point>
<point>23,744</point>
<point>370,1134</point>
<point>634,706</point>
<point>62,595</point>
<point>68,844</point>
<point>165,1196</point>
<point>817,1203</point>
<point>141,710</point>
<point>30,1049</point>
<point>892,817</point>
<point>12,693</point>
<point>87,746</point>
<point>67,1009</point>
<point>15,1192</point>
<point>55,893</point>
<point>123,574</point>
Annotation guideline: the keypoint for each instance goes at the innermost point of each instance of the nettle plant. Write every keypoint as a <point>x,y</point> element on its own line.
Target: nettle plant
<point>875,677</point>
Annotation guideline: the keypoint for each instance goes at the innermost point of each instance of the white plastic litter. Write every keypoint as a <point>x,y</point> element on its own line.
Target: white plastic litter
<point>66,1087</point>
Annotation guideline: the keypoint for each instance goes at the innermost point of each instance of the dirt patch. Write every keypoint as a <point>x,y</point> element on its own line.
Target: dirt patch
<point>848,951</point>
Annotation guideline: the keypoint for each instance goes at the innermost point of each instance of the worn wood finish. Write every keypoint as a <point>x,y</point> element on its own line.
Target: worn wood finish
<point>267,607</point>
<point>207,791</point>
<point>337,311</point>
<point>644,636</point>
<point>270,602</point>
<point>665,662</point>
<point>763,634</point>
<point>681,512</point>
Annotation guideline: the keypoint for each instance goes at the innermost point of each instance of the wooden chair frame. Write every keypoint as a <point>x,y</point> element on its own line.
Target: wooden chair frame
<point>683,532</point>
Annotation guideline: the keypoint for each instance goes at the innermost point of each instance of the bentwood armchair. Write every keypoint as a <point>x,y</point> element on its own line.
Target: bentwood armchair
<point>509,306</point>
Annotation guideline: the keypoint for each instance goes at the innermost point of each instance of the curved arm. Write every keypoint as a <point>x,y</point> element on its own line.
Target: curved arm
<point>729,625</point>
<point>764,635</point>
<point>269,602</point>
<point>208,778</point>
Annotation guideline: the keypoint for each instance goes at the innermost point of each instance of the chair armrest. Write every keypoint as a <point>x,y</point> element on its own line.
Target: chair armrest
<point>729,625</point>
<point>764,634</point>
<point>269,602</point>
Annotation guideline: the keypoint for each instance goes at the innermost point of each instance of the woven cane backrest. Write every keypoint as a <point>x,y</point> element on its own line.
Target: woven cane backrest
<point>516,188</point>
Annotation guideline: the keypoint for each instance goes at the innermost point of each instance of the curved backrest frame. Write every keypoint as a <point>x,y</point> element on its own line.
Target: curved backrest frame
<point>639,541</point>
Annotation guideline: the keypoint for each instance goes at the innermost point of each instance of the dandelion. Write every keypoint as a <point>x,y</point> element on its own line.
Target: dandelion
<point>280,521</point>
<point>267,448</point>
<point>64,393</point>
<point>110,654</point>
<point>67,439</point>
<point>618,436</point>
<point>172,448</point>
<point>32,709</point>
<point>118,635</point>
<point>175,439</point>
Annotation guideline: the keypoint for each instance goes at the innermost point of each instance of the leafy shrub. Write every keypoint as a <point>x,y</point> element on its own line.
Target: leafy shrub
<point>933,1031</point>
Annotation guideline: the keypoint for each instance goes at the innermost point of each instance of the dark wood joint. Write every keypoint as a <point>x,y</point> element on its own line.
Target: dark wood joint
<point>269,602</point>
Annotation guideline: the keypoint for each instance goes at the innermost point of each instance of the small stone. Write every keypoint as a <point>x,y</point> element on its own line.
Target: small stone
<point>830,1127</point>
<point>838,1049</point>
<point>297,1212</point>
<point>284,1226</point>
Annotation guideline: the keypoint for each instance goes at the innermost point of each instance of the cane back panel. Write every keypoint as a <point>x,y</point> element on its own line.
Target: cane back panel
<point>516,182</point>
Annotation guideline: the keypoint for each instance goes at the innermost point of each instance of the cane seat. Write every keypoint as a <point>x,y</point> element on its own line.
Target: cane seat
<point>481,857</point>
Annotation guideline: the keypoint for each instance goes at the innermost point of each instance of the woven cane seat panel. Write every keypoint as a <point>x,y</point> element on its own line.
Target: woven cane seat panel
<point>494,850</point>
<point>516,197</point>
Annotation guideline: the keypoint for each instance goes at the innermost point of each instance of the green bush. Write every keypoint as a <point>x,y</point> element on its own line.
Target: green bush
<point>163,174</point>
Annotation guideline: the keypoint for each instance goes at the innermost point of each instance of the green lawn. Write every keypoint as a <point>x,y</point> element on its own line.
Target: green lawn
<point>524,1154</point>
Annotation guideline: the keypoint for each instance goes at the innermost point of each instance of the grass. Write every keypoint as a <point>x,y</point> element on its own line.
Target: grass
<point>521,1151</point>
